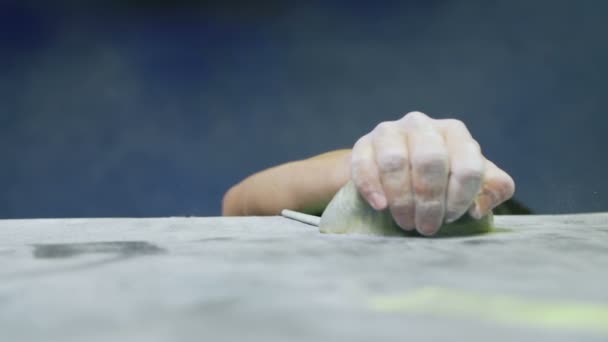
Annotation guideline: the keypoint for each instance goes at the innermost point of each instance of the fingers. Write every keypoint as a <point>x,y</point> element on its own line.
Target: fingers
<point>427,172</point>
<point>497,187</point>
<point>365,173</point>
<point>467,166</point>
<point>430,166</point>
<point>391,152</point>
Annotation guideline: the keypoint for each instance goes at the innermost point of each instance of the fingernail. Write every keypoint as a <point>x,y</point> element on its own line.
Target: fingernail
<point>378,201</point>
<point>482,206</point>
<point>428,229</point>
<point>429,216</point>
<point>479,210</point>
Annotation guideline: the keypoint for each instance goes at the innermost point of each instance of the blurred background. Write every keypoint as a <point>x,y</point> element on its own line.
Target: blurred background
<point>155,108</point>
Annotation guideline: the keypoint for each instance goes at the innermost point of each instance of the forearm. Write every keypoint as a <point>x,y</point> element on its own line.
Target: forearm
<point>305,185</point>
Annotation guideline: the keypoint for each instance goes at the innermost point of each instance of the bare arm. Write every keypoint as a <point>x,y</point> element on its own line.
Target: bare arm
<point>304,185</point>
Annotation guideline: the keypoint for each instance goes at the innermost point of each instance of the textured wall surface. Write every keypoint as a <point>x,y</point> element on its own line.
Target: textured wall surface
<point>273,279</point>
<point>150,111</point>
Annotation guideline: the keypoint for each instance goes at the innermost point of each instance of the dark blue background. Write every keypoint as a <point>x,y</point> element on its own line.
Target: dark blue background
<point>151,109</point>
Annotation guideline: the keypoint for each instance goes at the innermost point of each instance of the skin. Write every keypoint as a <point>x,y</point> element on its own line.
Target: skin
<point>426,171</point>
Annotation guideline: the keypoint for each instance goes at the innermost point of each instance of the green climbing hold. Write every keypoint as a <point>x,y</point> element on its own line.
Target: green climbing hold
<point>349,213</point>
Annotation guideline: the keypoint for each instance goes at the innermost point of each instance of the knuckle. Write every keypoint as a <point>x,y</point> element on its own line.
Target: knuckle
<point>425,192</point>
<point>365,187</point>
<point>403,203</point>
<point>432,163</point>
<point>414,117</point>
<point>361,141</point>
<point>392,162</point>
<point>428,206</point>
<point>502,185</point>
<point>468,175</point>
<point>461,200</point>
<point>456,124</point>
<point>507,187</point>
<point>383,126</point>
<point>473,145</point>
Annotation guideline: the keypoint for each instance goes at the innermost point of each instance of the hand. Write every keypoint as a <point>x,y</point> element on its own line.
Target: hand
<point>427,172</point>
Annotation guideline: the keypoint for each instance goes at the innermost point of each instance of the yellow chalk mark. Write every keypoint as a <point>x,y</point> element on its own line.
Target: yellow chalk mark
<point>580,316</point>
